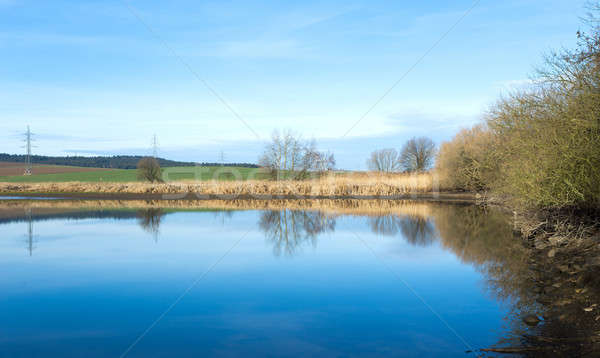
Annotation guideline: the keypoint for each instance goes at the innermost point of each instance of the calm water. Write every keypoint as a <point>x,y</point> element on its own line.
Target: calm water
<point>159,283</point>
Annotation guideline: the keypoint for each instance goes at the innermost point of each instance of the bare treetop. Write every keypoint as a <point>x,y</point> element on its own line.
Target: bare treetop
<point>417,154</point>
<point>384,160</point>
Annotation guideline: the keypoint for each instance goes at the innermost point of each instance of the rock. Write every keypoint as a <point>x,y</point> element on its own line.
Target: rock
<point>531,320</point>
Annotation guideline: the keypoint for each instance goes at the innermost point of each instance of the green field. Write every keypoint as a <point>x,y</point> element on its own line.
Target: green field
<point>130,175</point>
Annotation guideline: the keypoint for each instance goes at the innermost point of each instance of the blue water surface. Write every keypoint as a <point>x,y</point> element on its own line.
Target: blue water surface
<point>230,284</point>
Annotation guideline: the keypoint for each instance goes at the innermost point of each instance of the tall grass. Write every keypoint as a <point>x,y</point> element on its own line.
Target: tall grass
<point>363,184</point>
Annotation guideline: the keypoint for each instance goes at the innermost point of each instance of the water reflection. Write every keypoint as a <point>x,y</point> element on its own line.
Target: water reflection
<point>149,221</point>
<point>553,300</point>
<point>551,303</point>
<point>416,230</point>
<point>223,216</point>
<point>288,230</point>
<point>30,236</point>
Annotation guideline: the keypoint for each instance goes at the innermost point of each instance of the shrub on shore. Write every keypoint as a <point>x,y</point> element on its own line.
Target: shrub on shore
<point>466,162</point>
<point>149,170</point>
<point>539,147</point>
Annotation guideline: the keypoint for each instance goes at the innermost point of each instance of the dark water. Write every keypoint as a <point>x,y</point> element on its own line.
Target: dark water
<point>164,283</point>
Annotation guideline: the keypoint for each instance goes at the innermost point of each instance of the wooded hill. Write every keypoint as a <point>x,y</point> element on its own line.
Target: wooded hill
<point>117,161</point>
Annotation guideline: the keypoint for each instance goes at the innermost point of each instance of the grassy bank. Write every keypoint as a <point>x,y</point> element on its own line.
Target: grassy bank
<point>130,175</point>
<point>112,175</point>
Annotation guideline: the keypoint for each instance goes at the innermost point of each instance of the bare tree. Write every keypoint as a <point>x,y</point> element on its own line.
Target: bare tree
<point>283,153</point>
<point>288,152</point>
<point>384,160</point>
<point>316,161</point>
<point>149,169</point>
<point>417,154</point>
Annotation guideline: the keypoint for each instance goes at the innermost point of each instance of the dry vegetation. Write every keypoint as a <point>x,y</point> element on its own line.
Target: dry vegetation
<point>360,184</point>
<point>539,147</point>
<point>328,206</point>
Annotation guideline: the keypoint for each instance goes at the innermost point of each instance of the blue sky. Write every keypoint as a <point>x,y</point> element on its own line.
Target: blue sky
<point>98,77</point>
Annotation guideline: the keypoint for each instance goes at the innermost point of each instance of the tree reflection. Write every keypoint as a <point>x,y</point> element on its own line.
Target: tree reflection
<point>288,230</point>
<point>223,215</point>
<point>416,230</point>
<point>553,298</point>
<point>149,220</point>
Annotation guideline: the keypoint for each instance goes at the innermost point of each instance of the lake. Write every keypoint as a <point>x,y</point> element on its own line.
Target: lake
<point>408,280</point>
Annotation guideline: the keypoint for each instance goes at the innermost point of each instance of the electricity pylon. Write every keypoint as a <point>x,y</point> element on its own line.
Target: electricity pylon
<point>28,146</point>
<point>154,146</point>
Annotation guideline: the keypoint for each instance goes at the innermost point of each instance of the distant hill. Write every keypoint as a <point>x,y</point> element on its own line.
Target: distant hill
<point>117,161</point>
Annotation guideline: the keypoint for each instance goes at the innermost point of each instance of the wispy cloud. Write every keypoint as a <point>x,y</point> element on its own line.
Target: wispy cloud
<point>425,122</point>
<point>260,48</point>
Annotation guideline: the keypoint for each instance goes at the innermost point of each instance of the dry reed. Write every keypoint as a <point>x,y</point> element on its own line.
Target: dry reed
<point>363,184</point>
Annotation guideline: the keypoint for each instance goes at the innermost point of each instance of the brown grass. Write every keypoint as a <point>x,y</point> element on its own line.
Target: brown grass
<point>348,185</point>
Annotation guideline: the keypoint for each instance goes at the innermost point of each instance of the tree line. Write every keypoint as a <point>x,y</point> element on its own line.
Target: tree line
<point>115,162</point>
<point>417,155</point>
<point>289,155</point>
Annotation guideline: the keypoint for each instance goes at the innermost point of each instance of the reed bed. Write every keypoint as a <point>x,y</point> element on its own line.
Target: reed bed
<point>349,185</point>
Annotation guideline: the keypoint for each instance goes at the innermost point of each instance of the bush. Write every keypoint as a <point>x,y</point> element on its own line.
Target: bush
<point>149,169</point>
<point>539,147</point>
<point>466,162</point>
<point>550,148</point>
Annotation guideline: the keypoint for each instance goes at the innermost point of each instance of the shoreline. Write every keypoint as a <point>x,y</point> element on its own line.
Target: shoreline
<point>435,197</point>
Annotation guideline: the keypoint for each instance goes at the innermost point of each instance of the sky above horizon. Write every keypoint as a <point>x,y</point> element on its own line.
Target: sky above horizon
<point>101,77</point>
